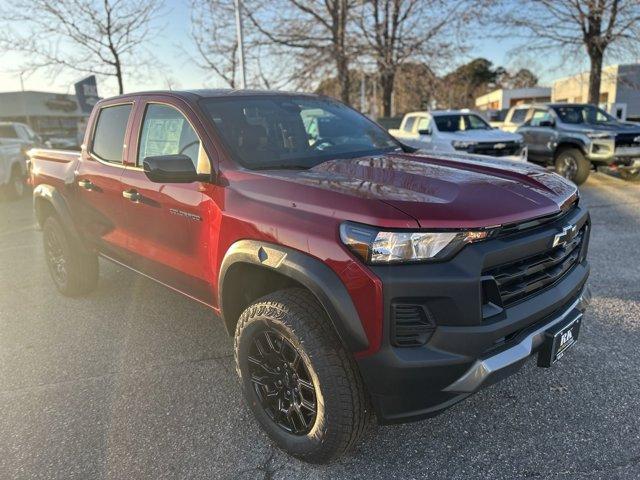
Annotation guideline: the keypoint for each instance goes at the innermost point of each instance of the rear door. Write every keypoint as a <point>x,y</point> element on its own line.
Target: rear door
<point>97,179</point>
<point>164,222</point>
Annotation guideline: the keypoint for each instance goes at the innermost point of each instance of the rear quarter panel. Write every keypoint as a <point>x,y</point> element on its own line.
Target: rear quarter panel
<point>53,167</point>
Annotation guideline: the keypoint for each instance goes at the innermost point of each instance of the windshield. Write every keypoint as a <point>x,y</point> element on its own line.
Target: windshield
<point>458,122</point>
<point>576,114</point>
<point>294,132</point>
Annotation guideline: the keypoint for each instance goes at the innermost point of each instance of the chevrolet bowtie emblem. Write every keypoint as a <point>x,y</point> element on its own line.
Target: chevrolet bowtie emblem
<point>566,235</point>
<point>499,145</point>
<point>637,139</point>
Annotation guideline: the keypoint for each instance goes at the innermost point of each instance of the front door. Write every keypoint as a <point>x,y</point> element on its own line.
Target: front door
<point>97,181</point>
<point>543,134</point>
<point>164,221</point>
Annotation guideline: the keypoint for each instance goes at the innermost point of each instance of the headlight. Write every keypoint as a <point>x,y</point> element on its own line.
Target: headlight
<point>383,247</point>
<point>599,135</point>
<point>462,144</point>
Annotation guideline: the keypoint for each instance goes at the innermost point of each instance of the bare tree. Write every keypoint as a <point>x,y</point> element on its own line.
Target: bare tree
<point>86,36</point>
<point>214,36</point>
<point>598,26</point>
<point>317,30</point>
<point>401,31</point>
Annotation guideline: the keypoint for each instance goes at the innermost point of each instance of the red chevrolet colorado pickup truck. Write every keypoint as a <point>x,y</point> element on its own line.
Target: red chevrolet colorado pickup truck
<point>356,275</point>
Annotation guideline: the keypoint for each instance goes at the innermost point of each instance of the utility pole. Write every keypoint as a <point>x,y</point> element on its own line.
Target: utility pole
<point>243,73</point>
<point>24,102</point>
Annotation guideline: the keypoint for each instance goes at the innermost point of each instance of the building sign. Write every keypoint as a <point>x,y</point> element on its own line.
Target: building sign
<point>87,93</point>
<point>60,102</point>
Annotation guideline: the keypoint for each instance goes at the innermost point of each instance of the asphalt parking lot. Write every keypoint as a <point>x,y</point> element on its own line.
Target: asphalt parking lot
<point>135,381</point>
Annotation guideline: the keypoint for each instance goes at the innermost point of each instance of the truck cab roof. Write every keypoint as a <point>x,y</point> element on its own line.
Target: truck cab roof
<point>196,94</point>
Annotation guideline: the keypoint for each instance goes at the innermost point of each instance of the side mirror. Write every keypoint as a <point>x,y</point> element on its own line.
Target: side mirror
<point>547,123</point>
<point>171,169</point>
<point>425,131</point>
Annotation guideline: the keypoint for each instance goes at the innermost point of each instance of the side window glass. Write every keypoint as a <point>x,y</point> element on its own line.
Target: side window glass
<point>8,131</point>
<point>165,131</point>
<point>423,123</point>
<point>519,115</point>
<point>539,116</point>
<point>408,125</point>
<point>108,138</point>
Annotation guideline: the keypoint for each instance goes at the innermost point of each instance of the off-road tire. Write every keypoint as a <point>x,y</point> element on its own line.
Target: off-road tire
<point>572,165</point>
<point>73,268</point>
<point>343,412</point>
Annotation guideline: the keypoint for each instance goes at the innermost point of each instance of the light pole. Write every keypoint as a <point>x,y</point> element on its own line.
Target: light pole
<point>243,74</point>
<point>24,102</point>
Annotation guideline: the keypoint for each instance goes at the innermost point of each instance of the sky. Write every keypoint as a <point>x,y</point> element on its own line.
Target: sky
<point>172,42</point>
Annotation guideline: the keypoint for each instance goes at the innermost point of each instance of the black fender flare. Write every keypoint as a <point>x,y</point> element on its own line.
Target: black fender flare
<point>310,272</point>
<point>572,142</point>
<point>45,193</point>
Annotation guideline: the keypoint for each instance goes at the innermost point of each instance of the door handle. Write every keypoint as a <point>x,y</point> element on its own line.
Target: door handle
<point>86,184</point>
<point>132,195</point>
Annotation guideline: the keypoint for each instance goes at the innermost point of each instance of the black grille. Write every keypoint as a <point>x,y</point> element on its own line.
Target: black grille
<point>525,277</point>
<point>627,140</point>
<point>411,325</point>
<point>489,148</point>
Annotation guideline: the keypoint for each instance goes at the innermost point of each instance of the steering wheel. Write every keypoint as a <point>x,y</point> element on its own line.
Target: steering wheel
<point>190,144</point>
<point>322,143</point>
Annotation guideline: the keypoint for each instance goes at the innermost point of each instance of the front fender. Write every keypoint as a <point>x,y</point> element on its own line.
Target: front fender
<point>310,272</point>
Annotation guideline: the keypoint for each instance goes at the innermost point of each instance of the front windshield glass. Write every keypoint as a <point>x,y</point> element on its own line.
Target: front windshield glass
<point>294,132</point>
<point>456,122</point>
<point>588,114</point>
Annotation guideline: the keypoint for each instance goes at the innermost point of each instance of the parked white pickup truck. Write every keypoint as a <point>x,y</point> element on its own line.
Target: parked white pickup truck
<point>458,131</point>
<point>13,170</point>
<point>514,118</point>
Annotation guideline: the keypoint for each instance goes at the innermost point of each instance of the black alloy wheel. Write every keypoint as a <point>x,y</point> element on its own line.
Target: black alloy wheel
<point>282,381</point>
<point>54,253</point>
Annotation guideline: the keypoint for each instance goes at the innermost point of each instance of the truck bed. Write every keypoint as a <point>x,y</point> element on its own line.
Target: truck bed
<point>56,166</point>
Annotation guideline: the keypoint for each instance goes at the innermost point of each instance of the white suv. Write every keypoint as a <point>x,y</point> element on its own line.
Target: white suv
<point>458,131</point>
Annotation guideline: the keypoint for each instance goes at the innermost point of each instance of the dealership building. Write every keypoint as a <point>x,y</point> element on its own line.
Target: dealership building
<point>49,114</point>
<point>505,98</point>
<point>619,90</point>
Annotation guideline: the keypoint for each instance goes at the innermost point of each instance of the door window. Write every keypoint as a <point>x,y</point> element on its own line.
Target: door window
<point>165,131</point>
<point>7,131</point>
<point>111,127</point>
<point>540,116</point>
<point>423,124</point>
<point>519,115</point>
<point>408,124</point>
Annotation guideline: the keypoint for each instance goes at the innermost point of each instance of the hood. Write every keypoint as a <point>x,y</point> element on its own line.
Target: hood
<point>617,127</point>
<point>444,192</point>
<point>481,136</point>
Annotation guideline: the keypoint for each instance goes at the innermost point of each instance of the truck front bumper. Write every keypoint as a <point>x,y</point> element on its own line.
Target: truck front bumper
<point>474,343</point>
<point>605,152</point>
